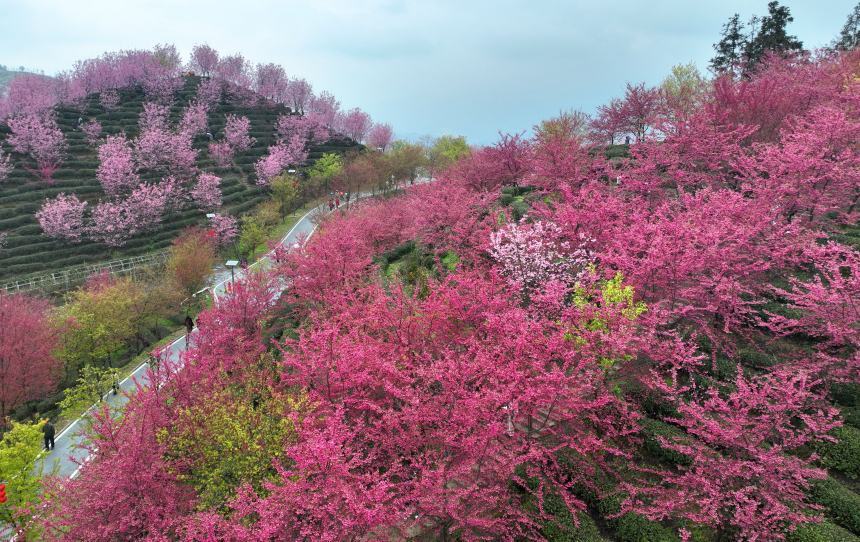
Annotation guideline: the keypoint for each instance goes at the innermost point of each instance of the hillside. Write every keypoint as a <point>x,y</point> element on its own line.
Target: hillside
<point>28,251</point>
<point>6,75</point>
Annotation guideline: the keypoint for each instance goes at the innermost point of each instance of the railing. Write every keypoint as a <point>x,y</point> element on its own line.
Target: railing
<point>72,277</point>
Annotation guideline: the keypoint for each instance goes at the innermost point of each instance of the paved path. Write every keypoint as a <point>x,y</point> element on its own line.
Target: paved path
<point>68,455</point>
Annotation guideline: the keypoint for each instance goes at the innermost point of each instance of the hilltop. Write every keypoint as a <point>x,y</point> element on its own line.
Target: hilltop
<point>28,250</point>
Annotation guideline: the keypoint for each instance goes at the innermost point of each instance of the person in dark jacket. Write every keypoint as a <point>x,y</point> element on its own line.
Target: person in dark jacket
<point>189,327</point>
<point>48,430</point>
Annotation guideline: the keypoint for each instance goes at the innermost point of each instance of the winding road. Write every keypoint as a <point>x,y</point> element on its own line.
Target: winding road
<point>68,455</point>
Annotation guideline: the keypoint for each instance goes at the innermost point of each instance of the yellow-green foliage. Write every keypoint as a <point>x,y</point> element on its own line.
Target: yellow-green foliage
<point>611,295</point>
<point>101,321</point>
<point>92,383</point>
<point>231,438</point>
<point>18,452</point>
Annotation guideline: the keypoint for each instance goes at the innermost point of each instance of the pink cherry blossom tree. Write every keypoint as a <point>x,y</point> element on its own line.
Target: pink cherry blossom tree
<point>354,123</point>
<point>222,152</point>
<point>40,137</point>
<point>225,227</point>
<point>209,91</point>
<point>194,120</point>
<point>92,130</point>
<point>207,192</point>
<point>117,171</point>
<point>279,158</point>
<point>109,99</point>
<point>236,133</point>
<point>63,217</point>
<point>380,136</point>
<point>299,93</point>
<point>6,166</point>
<point>204,59</point>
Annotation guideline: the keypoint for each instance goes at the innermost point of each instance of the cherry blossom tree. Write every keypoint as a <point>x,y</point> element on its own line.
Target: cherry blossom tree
<point>225,228</point>
<point>236,133</point>
<point>117,171</point>
<point>307,127</point>
<point>299,93</point>
<point>270,81</point>
<point>380,136</point>
<point>6,166</point>
<point>222,152</point>
<point>31,94</point>
<point>234,69</point>
<point>92,130</point>
<point>204,59</point>
<point>354,123</point>
<point>63,217</point>
<point>194,120</point>
<point>29,369</point>
<point>279,158</point>
<point>209,91</point>
<point>109,99</point>
<point>207,192</point>
<point>40,137</point>
<point>326,107</point>
<point>739,472</point>
<point>153,117</point>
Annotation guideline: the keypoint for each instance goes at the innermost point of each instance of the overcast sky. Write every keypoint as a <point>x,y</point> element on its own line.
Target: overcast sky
<point>467,67</point>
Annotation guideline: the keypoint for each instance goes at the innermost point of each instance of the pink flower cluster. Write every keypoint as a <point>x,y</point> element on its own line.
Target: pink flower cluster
<point>279,158</point>
<point>225,227</point>
<point>39,136</point>
<point>6,166</point>
<point>92,130</point>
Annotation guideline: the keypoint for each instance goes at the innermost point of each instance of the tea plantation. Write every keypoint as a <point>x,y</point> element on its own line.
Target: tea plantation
<point>28,251</point>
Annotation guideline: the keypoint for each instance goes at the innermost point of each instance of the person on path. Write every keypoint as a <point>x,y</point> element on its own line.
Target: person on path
<point>337,203</point>
<point>48,431</point>
<point>189,327</point>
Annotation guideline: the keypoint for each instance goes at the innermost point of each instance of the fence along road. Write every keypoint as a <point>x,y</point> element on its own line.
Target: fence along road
<point>61,281</point>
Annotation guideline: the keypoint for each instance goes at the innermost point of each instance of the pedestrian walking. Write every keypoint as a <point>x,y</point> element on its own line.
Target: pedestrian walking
<point>337,203</point>
<point>48,431</point>
<point>189,327</point>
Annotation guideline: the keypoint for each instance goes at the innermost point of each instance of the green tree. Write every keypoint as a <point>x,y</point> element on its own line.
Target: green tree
<point>684,88</point>
<point>285,191</point>
<point>771,36</point>
<point>565,126</point>
<point>849,37</point>
<point>405,161</point>
<point>730,49</point>
<point>446,150</point>
<point>92,384</point>
<point>191,259</point>
<point>231,438</point>
<point>19,450</point>
<point>326,168</point>
<point>252,235</point>
<point>101,320</point>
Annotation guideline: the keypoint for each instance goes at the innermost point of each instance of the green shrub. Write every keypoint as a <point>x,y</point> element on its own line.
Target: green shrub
<point>845,394</point>
<point>632,527</point>
<point>652,430</point>
<point>563,529</point>
<point>820,532</point>
<point>844,455</point>
<point>840,503</point>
